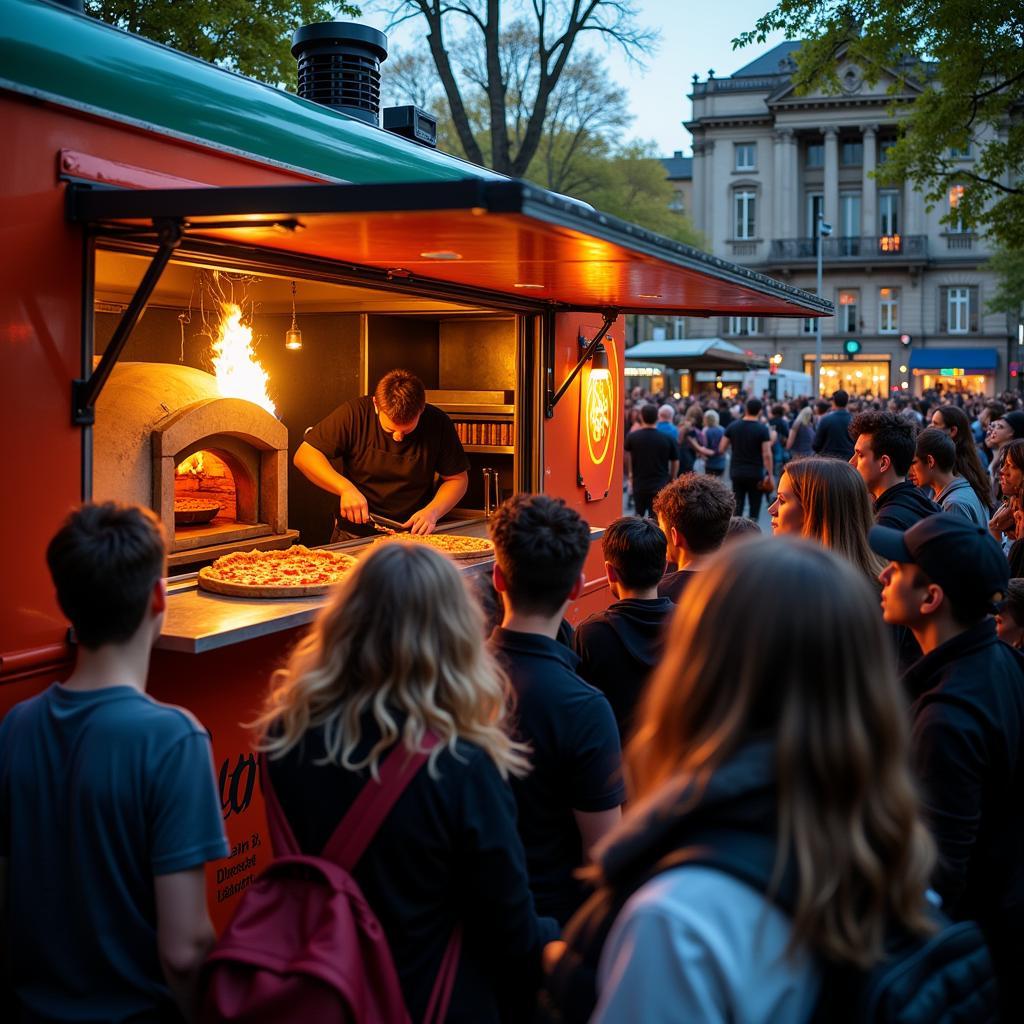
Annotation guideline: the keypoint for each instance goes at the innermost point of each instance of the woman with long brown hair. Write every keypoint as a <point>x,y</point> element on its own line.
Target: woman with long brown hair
<point>952,420</point>
<point>826,500</point>
<point>795,739</point>
<point>396,660</point>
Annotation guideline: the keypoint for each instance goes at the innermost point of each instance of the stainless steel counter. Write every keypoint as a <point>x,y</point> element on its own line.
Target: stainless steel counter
<point>198,621</point>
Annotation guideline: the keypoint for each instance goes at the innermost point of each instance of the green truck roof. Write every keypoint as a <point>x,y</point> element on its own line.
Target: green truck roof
<point>70,59</point>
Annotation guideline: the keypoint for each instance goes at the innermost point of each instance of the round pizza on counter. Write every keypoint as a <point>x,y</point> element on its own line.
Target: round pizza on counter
<point>450,543</point>
<point>297,571</point>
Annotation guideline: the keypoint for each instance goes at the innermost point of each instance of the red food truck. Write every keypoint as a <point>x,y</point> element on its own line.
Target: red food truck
<point>197,267</point>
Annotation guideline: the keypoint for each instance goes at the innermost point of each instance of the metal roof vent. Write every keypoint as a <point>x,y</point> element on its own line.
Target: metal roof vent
<point>339,66</point>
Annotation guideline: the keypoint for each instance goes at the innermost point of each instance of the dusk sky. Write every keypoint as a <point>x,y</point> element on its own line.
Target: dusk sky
<point>694,38</point>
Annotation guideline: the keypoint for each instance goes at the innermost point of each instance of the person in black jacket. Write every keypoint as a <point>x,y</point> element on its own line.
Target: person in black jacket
<point>832,438</point>
<point>882,454</point>
<point>694,513</point>
<point>399,650</point>
<point>728,745</point>
<point>619,647</point>
<point>944,576</point>
<point>571,798</point>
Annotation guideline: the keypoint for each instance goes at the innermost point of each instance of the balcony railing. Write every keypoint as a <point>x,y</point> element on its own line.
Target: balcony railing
<point>853,248</point>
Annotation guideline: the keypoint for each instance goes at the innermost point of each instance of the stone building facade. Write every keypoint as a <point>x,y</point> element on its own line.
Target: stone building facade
<point>910,290</point>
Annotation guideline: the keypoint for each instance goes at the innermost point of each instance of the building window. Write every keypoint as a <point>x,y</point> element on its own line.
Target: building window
<point>809,325</point>
<point>744,326</point>
<point>958,309</point>
<point>884,145</point>
<point>889,214</point>
<point>851,154</point>
<point>960,153</point>
<point>746,210</point>
<point>815,154</point>
<point>888,310</point>
<point>956,225</point>
<point>746,156</point>
<point>676,204</point>
<point>849,299</point>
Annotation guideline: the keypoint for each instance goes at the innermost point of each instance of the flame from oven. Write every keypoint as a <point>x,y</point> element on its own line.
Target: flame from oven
<point>239,374</point>
<point>194,465</point>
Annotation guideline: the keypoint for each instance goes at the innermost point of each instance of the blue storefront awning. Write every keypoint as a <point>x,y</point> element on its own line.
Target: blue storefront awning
<point>970,360</point>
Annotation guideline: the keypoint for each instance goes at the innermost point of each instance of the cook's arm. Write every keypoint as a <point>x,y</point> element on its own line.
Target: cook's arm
<point>448,496</point>
<point>316,467</point>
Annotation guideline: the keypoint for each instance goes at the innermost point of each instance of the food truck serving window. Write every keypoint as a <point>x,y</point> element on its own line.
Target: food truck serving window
<point>503,238</point>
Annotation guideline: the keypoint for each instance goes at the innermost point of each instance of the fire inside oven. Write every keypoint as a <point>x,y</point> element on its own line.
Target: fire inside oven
<point>225,371</point>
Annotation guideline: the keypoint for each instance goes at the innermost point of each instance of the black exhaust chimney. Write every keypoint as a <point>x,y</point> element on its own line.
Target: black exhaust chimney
<point>339,66</point>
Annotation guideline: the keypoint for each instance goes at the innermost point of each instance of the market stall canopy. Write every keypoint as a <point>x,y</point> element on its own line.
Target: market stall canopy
<point>494,238</point>
<point>695,354</point>
<point>970,360</point>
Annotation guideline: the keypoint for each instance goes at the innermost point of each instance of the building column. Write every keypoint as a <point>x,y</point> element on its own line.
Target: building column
<point>869,187</point>
<point>708,196</point>
<point>778,192</point>
<point>791,187</point>
<point>831,198</point>
<point>696,210</point>
<point>784,183</point>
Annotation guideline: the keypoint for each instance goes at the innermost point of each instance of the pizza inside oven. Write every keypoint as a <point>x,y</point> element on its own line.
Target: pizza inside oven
<point>297,571</point>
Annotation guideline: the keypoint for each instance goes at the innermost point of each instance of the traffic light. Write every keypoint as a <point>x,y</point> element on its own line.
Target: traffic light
<point>851,347</point>
<point>905,340</point>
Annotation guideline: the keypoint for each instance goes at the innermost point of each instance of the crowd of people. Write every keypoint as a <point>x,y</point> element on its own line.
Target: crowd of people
<point>724,797</point>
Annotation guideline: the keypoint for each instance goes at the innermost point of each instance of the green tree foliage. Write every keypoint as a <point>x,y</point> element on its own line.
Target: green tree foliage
<point>252,37</point>
<point>630,183</point>
<point>580,151</point>
<point>516,53</point>
<point>967,59</point>
<point>1009,297</point>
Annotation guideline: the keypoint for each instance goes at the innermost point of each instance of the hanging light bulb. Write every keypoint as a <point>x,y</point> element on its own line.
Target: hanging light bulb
<point>293,336</point>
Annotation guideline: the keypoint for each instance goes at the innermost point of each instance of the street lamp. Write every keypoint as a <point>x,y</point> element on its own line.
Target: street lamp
<point>824,230</point>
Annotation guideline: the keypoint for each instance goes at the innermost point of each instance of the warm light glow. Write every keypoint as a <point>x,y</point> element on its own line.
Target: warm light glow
<point>520,284</point>
<point>238,373</point>
<point>293,340</point>
<point>441,254</point>
<point>903,369</point>
<point>195,465</point>
<point>599,415</point>
<point>956,193</point>
<point>889,243</point>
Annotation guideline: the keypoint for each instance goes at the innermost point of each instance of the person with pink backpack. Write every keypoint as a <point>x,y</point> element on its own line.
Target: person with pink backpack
<point>386,758</point>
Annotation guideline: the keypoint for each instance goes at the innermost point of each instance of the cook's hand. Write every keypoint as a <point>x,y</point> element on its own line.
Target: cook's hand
<point>421,522</point>
<point>352,505</point>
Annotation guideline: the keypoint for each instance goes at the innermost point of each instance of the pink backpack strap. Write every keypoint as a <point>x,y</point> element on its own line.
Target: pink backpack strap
<point>282,839</point>
<point>355,833</point>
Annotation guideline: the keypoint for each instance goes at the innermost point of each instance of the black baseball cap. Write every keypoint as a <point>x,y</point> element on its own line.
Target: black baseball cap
<point>953,552</point>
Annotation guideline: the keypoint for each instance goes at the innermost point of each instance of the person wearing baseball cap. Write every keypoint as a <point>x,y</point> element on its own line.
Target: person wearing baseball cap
<point>944,578</point>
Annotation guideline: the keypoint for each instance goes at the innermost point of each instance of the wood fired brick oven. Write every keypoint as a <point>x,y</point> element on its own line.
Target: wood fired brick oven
<point>164,433</point>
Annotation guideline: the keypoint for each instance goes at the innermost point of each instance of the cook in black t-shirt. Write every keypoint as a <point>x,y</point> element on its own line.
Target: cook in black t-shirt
<point>387,468</point>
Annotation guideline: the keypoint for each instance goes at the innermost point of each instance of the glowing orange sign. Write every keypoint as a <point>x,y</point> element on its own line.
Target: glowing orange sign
<point>598,415</point>
<point>599,430</point>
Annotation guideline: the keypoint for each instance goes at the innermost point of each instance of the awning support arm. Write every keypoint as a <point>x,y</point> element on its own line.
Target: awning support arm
<point>84,392</point>
<point>610,316</point>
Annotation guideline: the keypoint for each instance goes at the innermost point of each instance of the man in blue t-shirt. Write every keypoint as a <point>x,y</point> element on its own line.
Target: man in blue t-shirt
<point>572,797</point>
<point>108,805</point>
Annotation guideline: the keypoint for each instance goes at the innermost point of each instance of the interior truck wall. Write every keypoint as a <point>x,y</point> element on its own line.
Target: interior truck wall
<point>401,341</point>
<point>40,352</point>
